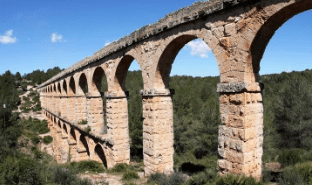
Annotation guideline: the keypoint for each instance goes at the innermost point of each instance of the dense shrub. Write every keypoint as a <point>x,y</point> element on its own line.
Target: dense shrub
<point>290,156</point>
<point>19,171</point>
<point>202,178</point>
<point>175,178</point>
<point>87,129</point>
<point>291,177</point>
<point>120,167</point>
<point>156,178</point>
<point>305,171</point>
<point>35,139</point>
<point>63,176</point>
<point>83,122</point>
<point>128,175</point>
<point>91,166</point>
<point>47,139</point>
<point>231,179</point>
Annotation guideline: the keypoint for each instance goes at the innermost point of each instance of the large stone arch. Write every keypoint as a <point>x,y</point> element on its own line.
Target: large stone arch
<point>95,108</point>
<point>117,107</point>
<point>273,16</point>
<point>158,101</point>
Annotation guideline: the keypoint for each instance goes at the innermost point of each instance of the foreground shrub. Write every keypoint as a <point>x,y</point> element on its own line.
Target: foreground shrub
<point>156,178</point>
<point>232,179</point>
<point>290,156</point>
<point>305,171</point>
<point>175,178</point>
<point>64,176</point>
<point>83,122</point>
<point>47,139</point>
<point>91,166</point>
<point>19,171</point>
<point>35,139</point>
<point>202,178</point>
<point>128,175</point>
<point>120,167</point>
<point>299,174</point>
<point>291,177</point>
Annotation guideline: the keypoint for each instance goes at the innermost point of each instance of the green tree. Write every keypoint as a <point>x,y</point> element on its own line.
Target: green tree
<point>294,115</point>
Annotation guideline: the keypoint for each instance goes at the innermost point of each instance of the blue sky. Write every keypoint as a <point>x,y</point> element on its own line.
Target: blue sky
<point>43,34</point>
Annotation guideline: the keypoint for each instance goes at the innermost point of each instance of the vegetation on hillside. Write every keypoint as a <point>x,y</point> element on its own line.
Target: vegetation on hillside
<point>287,101</point>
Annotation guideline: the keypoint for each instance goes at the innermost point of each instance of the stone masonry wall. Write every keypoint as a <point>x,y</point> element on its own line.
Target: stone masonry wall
<point>241,133</point>
<point>118,129</point>
<point>158,134</point>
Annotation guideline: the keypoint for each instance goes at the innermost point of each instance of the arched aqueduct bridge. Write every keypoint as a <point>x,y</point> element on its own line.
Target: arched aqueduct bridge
<point>237,32</point>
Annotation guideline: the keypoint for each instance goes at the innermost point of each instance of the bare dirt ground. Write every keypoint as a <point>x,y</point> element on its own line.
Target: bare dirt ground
<point>31,114</point>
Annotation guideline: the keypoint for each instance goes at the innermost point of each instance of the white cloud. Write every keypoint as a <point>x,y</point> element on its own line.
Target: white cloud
<point>7,38</point>
<point>107,43</point>
<point>55,37</point>
<point>198,47</point>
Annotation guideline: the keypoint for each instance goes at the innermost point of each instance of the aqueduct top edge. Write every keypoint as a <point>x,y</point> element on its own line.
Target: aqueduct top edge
<point>197,10</point>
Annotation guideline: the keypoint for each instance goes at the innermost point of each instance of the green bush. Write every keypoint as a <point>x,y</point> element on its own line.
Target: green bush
<point>35,139</point>
<point>88,129</point>
<point>19,171</point>
<point>120,167</point>
<point>232,179</point>
<point>63,176</point>
<point>305,170</point>
<point>128,175</point>
<point>47,139</point>
<point>156,178</point>
<point>202,178</point>
<point>175,178</point>
<point>291,177</point>
<point>290,156</point>
<point>83,122</point>
<point>91,166</point>
<point>36,152</point>
<point>43,130</point>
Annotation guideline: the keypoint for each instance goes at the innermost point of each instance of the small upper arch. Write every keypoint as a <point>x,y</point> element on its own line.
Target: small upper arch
<point>121,73</point>
<point>72,89</point>
<point>96,80</point>
<point>82,84</point>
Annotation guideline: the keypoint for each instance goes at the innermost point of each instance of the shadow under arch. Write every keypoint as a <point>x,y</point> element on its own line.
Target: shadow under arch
<point>84,143</point>
<point>268,29</point>
<point>83,83</point>
<point>65,128</point>
<point>72,134</point>
<point>59,87</point>
<point>101,155</point>
<point>72,90</point>
<point>64,86</point>
<point>98,83</point>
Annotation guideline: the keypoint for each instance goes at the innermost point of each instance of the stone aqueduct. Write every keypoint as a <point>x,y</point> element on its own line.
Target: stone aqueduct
<point>237,31</point>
